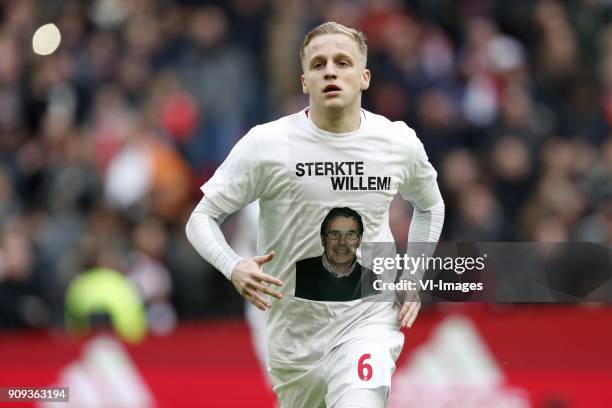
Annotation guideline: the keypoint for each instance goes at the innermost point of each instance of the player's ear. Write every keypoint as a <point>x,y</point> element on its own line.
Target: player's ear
<point>304,88</point>
<point>365,79</point>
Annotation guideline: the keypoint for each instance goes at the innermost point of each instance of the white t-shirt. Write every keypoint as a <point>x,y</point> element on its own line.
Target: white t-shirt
<point>299,173</point>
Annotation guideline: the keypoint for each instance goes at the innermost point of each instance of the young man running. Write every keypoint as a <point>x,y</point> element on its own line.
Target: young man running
<point>322,353</point>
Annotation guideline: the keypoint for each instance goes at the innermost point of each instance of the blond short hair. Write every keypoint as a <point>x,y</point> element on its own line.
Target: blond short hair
<point>332,27</point>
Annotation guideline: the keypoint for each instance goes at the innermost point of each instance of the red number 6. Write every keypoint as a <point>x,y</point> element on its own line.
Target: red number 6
<point>364,370</point>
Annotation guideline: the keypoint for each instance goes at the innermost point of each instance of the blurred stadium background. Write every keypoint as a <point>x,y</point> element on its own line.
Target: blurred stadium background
<point>104,144</point>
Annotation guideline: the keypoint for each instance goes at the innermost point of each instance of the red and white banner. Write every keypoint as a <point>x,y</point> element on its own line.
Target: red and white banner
<point>514,356</point>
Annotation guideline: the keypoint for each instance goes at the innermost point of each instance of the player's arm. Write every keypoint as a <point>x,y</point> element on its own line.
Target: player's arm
<point>205,235</point>
<point>420,188</point>
<point>238,181</point>
<point>425,230</point>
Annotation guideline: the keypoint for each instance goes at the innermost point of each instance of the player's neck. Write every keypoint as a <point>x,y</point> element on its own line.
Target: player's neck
<point>343,121</point>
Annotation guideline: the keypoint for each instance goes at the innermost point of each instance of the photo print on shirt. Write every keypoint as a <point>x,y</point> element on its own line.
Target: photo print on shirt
<point>336,274</point>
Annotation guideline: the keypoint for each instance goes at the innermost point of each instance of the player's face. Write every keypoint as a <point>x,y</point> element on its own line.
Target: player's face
<point>341,249</point>
<point>334,73</point>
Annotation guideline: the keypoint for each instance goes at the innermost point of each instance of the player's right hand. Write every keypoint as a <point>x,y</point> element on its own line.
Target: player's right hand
<point>251,282</point>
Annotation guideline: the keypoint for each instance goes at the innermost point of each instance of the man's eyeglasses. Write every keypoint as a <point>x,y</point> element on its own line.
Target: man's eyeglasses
<point>336,235</point>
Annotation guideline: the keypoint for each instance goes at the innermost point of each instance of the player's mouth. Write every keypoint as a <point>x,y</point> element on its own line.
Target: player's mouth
<point>331,89</point>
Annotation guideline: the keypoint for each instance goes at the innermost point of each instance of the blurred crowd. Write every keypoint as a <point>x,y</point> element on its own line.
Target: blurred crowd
<point>104,144</point>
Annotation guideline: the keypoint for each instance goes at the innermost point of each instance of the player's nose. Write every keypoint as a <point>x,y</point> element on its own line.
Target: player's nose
<point>330,71</point>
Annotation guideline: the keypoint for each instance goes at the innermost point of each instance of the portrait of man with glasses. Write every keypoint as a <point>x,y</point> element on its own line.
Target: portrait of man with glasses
<point>336,275</point>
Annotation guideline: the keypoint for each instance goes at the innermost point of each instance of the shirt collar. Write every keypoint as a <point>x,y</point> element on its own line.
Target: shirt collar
<point>330,268</point>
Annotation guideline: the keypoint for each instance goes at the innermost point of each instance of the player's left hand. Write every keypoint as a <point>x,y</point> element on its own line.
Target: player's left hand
<point>411,304</point>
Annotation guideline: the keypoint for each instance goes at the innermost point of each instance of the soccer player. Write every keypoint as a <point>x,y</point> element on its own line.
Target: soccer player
<point>331,154</point>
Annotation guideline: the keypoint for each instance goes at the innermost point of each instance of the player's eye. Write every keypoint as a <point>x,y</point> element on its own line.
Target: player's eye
<point>317,65</point>
<point>343,64</point>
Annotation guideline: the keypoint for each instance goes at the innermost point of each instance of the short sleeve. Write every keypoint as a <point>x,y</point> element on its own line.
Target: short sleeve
<point>238,181</point>
<point>420,184</point>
